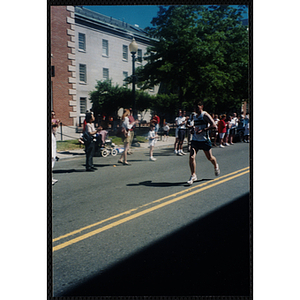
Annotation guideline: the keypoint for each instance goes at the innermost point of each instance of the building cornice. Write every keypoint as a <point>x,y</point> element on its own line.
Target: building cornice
<point>100,22</point>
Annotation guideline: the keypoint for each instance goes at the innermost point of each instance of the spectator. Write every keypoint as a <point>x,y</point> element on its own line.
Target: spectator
<point>131,121</point>
<point>126,137</point>
<point>53,129</point>
<point>152,136</point>
<point>214,132</point>
<point>166,130</point>
<point>156,121</point>
<point>90,145</point>
<point>247,129</point>
<point>222,130</point>
<point>53,119</point>
<point>233,123</point>
<point>180,123</point>
<point>228,126</point>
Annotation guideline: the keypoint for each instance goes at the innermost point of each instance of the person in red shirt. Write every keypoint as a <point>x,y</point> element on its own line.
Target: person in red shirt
<point>156,121</point>
<point>222,129</point>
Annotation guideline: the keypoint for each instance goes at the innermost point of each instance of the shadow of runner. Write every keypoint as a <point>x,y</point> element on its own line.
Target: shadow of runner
<point>163,184</point>
<point>210,257</point>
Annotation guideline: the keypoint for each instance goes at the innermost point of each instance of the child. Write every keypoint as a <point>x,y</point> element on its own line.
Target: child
<point>222,129</point>
<point>166,129</point>
<point>152,136</point>
<point>54,128</point>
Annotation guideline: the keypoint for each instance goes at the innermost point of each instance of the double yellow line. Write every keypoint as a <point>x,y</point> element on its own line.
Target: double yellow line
<point>176,197</point>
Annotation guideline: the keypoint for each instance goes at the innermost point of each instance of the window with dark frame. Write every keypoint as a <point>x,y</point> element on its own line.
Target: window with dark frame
<point>105,73</point>
<point>81,41</point>
<point>139,56</point>
<point>125,52</point>
<point>125,75</point>
<point>82,73</point>
<point>82,105</point>
<point>105,47</point>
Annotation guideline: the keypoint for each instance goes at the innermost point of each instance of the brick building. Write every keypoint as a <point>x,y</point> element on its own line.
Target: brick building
<point>63,83</point>
<point>85,47</point>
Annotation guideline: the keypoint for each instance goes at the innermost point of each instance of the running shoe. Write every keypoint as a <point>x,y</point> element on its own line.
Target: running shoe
<point>152,158</point>
<point>217,171</point>
<point>192,179</point>
<point>221,146</point>
<point>179,153</point>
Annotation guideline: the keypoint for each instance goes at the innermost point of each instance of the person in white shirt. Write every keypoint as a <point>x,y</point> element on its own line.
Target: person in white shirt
<point>152,136</point>
<point>203,122</point>
<point>234,124</point>
<point>180,126</point>
<point>53,134</point>
<point>166,130</point>
<point>90,146</point>
<point>126,138</point>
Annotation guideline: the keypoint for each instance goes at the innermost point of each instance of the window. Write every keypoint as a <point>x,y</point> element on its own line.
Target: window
<point>105,73</point>
<point>105,47</point>
<point>82,73</point>
<point>139,56</point>
<point>125,52</point>
<point>125,75</point>
<point>81,39</point>
<point>82,105</point>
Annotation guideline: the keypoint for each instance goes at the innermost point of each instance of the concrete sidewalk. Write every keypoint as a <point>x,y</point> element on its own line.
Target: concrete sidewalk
<point>143,146</point>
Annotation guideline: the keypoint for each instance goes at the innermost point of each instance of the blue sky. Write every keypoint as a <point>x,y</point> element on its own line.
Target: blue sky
<point>141,15</point>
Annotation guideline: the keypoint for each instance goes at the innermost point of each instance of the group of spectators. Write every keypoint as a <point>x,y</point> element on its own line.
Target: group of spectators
<point>227,128</point>
<point>223,134</point>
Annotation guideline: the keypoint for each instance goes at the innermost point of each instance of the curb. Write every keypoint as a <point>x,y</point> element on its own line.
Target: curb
<point>143,146</point>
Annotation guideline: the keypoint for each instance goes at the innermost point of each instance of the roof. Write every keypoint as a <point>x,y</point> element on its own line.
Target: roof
<point>109,22</point>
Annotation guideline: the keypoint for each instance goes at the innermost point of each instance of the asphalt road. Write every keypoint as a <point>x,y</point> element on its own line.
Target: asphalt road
<point>141,230</point>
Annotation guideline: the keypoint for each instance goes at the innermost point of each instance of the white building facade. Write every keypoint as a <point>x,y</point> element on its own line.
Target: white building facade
<point>102,52</point>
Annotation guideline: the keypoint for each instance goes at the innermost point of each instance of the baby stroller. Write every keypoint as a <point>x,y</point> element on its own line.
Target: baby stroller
<point>104,145</point>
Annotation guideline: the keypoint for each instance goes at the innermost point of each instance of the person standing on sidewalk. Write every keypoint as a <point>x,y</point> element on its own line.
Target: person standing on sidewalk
<point>152,136</point>
<point>53,134</point>
<point>126,137</point>
<point>156,121</point>
<point>203,122</point>
<point>166,130</point>
<point>131,121</point>
<point>222,130</point>
<point>180,123</point>
<point>90,145</point>
<point>234,125</point>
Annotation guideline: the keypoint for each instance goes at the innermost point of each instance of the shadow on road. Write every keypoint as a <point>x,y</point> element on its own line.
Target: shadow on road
<point>72,153</point>
<point>210,257</point>
<point>81,170</point>
<point>67,171</point>
<point>163,184</point>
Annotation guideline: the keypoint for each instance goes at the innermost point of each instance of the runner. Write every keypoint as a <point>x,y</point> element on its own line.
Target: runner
<point>201,141</point>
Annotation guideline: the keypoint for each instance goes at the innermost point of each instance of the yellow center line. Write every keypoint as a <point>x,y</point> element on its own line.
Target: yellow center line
<point>124,220</point>
<point>142,206</point>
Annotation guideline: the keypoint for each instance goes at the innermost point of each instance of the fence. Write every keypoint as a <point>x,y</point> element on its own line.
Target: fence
<point>66,132</point>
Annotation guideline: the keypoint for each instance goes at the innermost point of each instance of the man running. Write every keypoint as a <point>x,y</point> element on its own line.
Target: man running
<point>203,122</point>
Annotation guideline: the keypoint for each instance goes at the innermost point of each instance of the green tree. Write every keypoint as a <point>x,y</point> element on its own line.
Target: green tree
<point>200,52</point>
<point>108,99</point>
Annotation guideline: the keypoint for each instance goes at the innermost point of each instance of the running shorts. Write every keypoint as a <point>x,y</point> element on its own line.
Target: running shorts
<point>206,145</point>
<point>181,134</point>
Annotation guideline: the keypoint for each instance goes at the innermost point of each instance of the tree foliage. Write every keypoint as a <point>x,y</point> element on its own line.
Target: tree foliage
<point>108,99</point>
<point>201,53</point>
